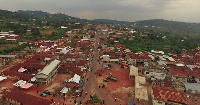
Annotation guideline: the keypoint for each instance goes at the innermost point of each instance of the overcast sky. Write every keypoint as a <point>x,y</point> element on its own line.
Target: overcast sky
<point>127,10</point>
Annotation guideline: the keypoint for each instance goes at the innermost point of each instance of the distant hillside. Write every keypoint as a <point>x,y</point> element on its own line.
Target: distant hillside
<point>29,12</point>
<point>108,21</point>
<point>179,27</point>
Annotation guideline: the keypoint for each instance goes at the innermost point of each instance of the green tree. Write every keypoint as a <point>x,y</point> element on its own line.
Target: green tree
<point>96,100</point>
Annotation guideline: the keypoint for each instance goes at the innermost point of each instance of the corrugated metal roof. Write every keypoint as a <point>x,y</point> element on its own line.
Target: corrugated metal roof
<point>7,56</point>
<point>49,67</point>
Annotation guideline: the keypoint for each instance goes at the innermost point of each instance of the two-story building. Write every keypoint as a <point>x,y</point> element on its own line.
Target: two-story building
<point>46,75</point>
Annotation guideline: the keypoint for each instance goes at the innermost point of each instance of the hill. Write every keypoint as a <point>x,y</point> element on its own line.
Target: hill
<point>108,21</point>
<point>186,29</point>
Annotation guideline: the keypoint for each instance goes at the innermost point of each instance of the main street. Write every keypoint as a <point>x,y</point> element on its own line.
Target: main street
<point>92,86</point>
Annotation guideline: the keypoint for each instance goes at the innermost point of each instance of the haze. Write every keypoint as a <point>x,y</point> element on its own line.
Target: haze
<point>125,10</point>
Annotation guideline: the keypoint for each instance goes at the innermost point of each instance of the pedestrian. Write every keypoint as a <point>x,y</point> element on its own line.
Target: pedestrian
<point>115,99</point>
<point>103,101</point>
<point>99,86</point>
<point>37,91</point>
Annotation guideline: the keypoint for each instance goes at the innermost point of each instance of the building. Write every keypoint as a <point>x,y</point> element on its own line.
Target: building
<point>20,98</point>
<point>45,76</point>
<point>141,94</point>
<point>133,72</point>
<point>163,96</point>
<point>155,75</point>
<point>192,87</point>
<point>133,59</point>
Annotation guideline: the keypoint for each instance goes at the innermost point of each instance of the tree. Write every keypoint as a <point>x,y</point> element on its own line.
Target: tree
<point>96,100</point>
<point>92,36</point>
<point>76,36</point>
<point>156,58</point>
<point>53,33</point>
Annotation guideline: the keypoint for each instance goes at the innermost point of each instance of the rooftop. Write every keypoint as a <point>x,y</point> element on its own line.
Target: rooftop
<point>26,99</point>
<point>165,95</point>
<point>49,67</point>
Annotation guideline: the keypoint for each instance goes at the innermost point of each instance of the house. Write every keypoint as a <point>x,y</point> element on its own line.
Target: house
<point>155,75</point>
<point>71,58</point>
<point>133,72</point>
<point>20,98</point>
<point>134,59</point>
<point>45,76</point>
<point>70,68</point>
<point>163,96</point>
<point>192,87</point>
<point>105,58</point>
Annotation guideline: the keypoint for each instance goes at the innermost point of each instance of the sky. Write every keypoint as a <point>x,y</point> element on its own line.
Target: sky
<point>123,10</point>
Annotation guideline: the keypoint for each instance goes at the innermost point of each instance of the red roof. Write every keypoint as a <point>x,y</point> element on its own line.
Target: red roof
<point>82,63</point>
<point>26,99</point>
<point>67,67</point>
<point>71,85</point>
<point>165,95</point>
<point>183,68</point>
<point>133,56</point>
<point>18,74</point>
<point>83,44</point>
<point>71,56</point>
<point>120,46</point>
<point>180,73</point>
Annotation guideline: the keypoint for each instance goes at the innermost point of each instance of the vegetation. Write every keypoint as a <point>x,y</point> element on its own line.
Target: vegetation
<point>96,100</point>
<point>158,34</point>
<point>9,50</point>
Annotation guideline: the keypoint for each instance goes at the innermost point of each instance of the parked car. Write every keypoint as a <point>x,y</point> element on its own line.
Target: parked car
<point>105,80</point>
<point>112,78</point>
<point>47,92</point>
<point>43,94</point>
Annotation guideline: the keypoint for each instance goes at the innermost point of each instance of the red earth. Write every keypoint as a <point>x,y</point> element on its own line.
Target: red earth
<point>121,74</point>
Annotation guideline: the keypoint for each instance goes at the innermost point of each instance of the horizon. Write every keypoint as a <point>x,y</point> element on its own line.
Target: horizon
<point>127,10</point>
<point>105,18</point>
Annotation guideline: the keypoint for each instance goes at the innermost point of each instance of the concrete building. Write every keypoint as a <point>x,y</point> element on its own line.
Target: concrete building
<point>155,75</point>
<point>133,72</point>
<point>141,94</point>
<point>45,76</point>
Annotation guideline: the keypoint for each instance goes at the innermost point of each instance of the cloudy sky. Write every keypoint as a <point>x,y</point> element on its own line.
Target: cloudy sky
<point>127,10</point>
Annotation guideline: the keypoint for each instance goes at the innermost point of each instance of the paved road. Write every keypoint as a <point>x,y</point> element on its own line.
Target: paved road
<point>91,86</point>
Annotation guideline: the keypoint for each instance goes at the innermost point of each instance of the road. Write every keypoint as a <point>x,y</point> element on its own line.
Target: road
<point>92,86</point>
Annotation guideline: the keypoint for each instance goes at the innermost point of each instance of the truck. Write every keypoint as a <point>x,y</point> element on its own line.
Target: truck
<point>110,77</point>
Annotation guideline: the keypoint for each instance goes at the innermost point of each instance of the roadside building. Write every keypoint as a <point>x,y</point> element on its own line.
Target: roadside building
<point>45,76</point>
